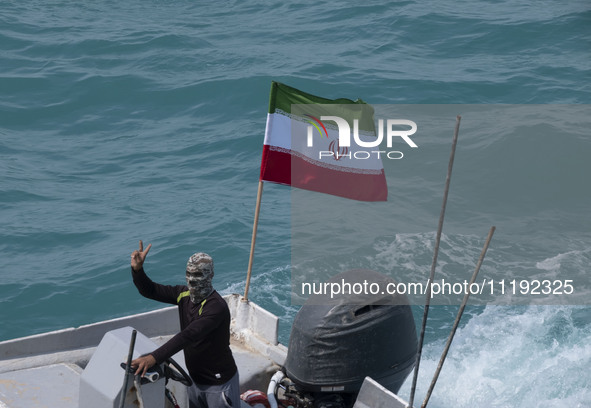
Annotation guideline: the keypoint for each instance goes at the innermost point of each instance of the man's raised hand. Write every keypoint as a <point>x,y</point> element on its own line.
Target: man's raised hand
<point>138,256</point>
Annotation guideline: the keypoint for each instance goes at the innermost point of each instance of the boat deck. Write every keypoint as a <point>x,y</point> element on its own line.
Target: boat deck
<point>44,370</point>
<point>57,385</point>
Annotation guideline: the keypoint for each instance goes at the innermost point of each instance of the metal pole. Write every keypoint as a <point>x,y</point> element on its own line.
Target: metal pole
<point>127,368</point>
<point>458,317</point>
<point>253,240</point>
<point>434,263</point>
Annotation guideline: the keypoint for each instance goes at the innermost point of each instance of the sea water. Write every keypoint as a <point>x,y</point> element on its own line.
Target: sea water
<point>122,121</point>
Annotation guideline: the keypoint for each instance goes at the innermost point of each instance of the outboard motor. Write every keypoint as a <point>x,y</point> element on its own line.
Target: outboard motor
<point>336,342</point>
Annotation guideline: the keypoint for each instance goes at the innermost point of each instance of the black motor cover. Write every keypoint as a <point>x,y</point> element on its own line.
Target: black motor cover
<point>335,343</point>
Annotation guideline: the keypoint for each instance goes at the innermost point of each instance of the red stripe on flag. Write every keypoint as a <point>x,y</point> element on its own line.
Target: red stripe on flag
<point>275,166</point>
<point>281,167</point>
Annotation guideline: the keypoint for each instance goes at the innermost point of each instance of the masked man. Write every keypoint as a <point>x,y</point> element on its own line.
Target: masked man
<point>204,336</point>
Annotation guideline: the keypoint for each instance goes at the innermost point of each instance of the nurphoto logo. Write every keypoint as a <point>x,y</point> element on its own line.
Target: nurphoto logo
<point>340,147</point>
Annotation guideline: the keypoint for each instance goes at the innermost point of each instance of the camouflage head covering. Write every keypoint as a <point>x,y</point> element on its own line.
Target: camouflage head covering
<point>199,276</point>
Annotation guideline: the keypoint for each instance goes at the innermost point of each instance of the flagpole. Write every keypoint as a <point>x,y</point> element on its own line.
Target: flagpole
<point>253,240</point>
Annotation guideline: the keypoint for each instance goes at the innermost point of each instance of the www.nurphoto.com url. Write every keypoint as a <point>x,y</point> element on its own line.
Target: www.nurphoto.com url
<point>443,287</point>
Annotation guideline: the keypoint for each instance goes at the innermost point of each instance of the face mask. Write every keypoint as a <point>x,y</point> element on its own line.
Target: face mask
<point>199,276</point>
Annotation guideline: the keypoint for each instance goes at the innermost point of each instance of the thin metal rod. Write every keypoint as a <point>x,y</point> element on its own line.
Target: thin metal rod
<point>127,368</point>
<point>458,317</point>
<point>434,263</point>
<point>253,240</point>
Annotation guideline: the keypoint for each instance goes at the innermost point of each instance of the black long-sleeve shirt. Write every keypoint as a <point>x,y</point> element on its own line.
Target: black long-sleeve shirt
<point>204,335</point>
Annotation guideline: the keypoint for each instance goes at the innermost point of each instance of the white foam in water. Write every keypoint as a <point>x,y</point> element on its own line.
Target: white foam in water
<point>570,265</point>
<point>513,357</point>
<point>554,263</point>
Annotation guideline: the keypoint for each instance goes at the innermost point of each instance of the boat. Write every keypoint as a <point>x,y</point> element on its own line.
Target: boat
<point>82,367</point>
<point>347,351</point>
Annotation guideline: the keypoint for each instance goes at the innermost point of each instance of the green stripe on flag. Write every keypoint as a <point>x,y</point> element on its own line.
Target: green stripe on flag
<point>283,98</point>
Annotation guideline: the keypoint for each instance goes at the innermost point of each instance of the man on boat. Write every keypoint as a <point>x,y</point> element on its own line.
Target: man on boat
<point>204,336</point>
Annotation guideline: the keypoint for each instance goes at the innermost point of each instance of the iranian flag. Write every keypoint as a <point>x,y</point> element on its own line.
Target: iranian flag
<point>302,146</point>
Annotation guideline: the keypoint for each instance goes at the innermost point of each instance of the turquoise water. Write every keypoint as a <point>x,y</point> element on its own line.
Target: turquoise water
<point>122,121</point>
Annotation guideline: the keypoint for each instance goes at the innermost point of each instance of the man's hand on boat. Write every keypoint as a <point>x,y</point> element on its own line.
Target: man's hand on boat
<point>138,256</point>
<point>143,363</point>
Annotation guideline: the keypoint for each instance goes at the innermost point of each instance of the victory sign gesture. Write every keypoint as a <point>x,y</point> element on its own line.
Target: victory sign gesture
<point>138,256</point>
